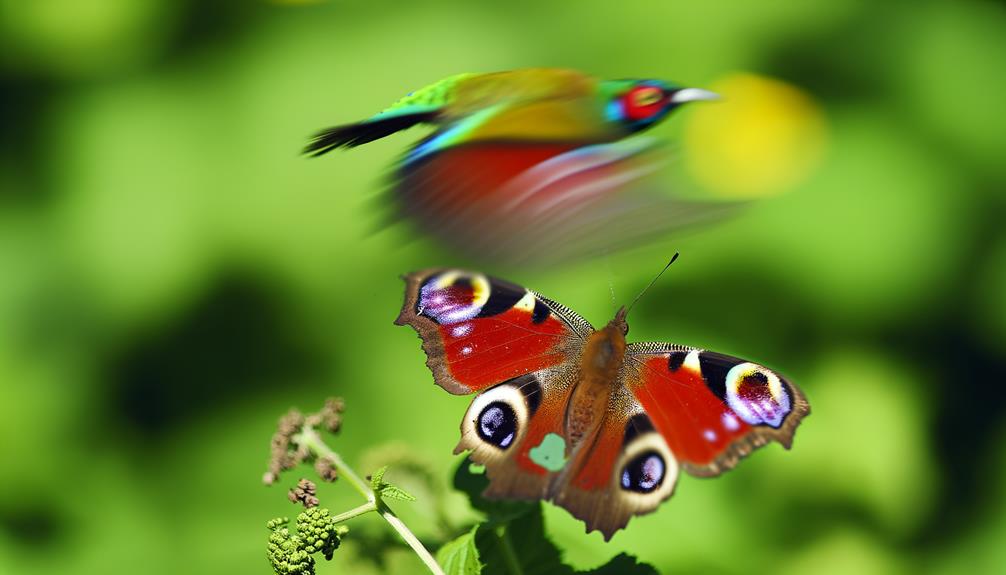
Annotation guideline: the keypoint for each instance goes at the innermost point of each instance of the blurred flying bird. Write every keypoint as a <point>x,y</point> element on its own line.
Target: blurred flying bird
<point>532,165</point>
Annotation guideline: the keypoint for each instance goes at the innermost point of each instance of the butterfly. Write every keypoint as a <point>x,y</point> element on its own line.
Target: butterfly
<point>577,416</point>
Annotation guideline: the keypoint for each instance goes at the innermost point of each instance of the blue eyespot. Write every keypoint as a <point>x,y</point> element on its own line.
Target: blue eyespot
<point>497,424</point>
<point>644,473</point>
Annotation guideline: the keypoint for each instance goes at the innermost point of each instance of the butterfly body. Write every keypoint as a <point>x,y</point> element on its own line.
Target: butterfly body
<point>602,358</point>
<point>578,416</point>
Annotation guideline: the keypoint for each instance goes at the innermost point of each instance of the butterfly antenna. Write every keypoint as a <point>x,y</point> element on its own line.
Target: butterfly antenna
<point>611,282</point>
<point>653,281</point>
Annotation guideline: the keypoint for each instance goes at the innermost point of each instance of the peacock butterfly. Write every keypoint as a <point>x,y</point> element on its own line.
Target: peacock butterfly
<point>579,417</point>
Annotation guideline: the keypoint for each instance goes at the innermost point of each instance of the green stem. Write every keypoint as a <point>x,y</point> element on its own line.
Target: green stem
<point>356,511</point>
<point>509,555</point>
<point>410,538</point>
<point>310,439</point>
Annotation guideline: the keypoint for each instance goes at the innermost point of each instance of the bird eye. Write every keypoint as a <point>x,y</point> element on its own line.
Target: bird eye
<point>646,96</point>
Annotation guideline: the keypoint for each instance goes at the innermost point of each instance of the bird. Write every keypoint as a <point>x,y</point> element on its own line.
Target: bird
<point>531,165</point>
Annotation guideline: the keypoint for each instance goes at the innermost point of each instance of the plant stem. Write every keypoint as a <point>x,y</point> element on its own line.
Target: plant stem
<point>411,539</point>
<point>310,439</point>
<point>513,565</point>
<point>356,511</point>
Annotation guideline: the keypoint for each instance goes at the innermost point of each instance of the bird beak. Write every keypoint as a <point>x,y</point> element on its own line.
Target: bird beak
<point>692,94</point>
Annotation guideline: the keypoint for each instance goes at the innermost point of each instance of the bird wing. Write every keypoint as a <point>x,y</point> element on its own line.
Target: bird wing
<point>517,87</point>
<point>540,202</point>
<point>532,104</point>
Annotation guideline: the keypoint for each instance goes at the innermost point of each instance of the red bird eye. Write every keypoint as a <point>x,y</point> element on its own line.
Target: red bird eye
<point>643,102</point>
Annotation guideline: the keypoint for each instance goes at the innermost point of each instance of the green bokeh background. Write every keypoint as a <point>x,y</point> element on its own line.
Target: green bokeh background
<point>173,276</point>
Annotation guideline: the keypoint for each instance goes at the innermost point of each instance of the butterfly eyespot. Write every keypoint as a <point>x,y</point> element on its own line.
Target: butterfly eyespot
<point>646,470</point>
<point>497,418</point>
<point>644,473</point>
<point>497,424</point>
<point>453,297</point>
<point>757,395</point>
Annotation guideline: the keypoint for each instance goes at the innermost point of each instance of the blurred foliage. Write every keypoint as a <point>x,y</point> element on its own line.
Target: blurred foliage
<point>173,275</point>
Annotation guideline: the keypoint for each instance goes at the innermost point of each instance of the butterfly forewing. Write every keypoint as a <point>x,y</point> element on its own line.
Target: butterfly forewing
<point>712,408</point>
<point>479,331</point>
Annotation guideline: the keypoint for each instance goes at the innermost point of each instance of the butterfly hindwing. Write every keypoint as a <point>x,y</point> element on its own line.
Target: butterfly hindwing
<point>510,428</point>
<point>626,470</point>
<point>712,409</point>
<point>520,431</point>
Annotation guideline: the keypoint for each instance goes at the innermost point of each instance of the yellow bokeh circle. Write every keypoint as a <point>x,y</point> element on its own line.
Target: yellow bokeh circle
<point>763,138</point>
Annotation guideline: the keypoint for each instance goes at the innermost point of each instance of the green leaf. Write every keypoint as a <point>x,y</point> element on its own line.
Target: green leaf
<point>524,543</point>
<point>460,556</point>
<point>513,539</point>
<point>377,477</point>
<point>389,491</point>
<point>622,564</point>
<point>520,546</point>
<point>386,490</point>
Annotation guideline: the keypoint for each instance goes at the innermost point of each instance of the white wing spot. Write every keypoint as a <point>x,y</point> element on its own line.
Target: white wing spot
<point>692,361</point>
<point>526,303</point>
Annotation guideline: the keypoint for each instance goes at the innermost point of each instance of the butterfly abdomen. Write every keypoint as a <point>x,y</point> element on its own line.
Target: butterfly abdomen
<point>599,366</point>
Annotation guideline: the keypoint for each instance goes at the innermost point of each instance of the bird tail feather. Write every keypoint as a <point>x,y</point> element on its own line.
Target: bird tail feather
<point>352,135</point>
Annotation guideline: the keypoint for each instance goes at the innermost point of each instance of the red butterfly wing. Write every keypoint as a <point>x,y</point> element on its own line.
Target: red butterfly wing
<point>479,331</point>
<point>627,470</point>
<point>513,346</point>
<point>712,409</point>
